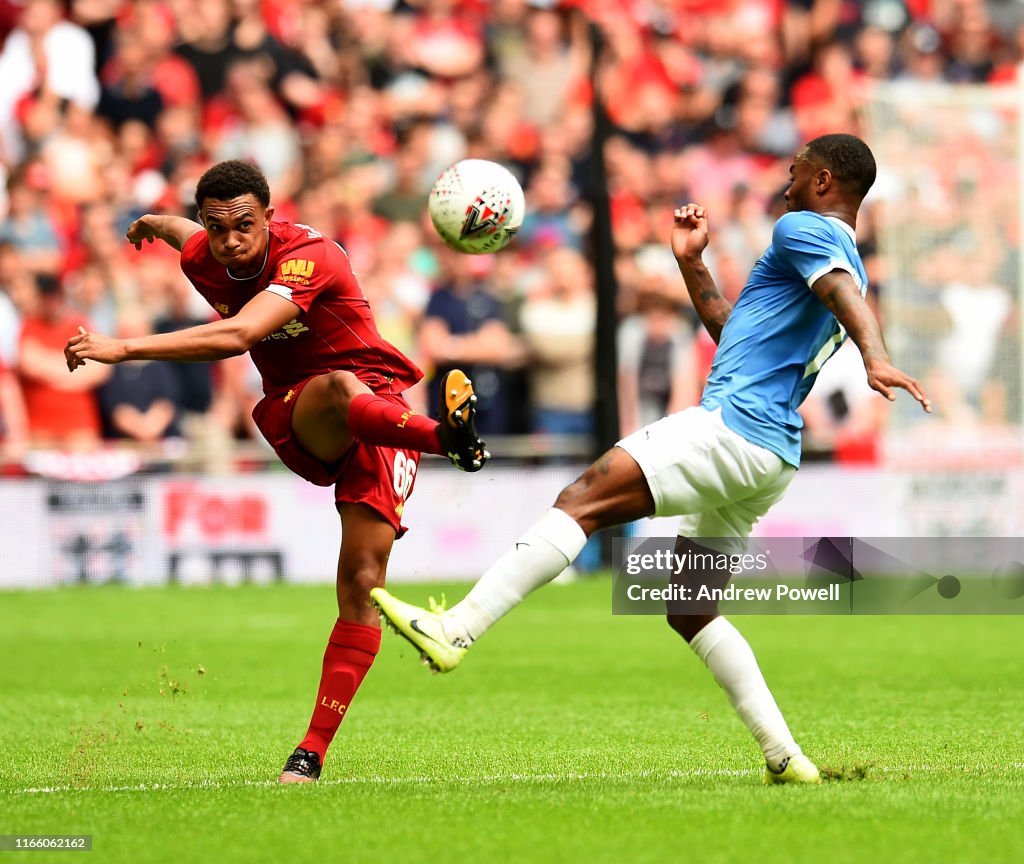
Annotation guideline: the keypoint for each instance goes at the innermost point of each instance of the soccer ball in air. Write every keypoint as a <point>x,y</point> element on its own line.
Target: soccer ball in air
<point>476,206</point>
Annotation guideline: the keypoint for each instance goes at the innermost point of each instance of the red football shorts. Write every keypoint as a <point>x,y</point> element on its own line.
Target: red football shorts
<point>379,477</point>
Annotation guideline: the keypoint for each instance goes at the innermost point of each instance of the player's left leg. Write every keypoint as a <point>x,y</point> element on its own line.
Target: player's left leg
<point>367,539</point>
<point>335,409</point>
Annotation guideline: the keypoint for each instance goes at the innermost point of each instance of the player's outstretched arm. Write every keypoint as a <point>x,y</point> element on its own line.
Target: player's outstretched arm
<point>260,317</point>
<point>839,293</point>
<point>689,239</point>
<point>173,230</point>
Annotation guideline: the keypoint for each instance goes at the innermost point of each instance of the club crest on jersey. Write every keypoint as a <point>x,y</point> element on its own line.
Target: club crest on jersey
<point>484,217</point>
<point>296,271</point>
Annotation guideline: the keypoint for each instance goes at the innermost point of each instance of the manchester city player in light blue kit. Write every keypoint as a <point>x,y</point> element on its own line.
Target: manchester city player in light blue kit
<point>723,464</point>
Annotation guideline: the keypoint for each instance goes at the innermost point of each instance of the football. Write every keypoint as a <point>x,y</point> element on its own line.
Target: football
<point>477,206</point>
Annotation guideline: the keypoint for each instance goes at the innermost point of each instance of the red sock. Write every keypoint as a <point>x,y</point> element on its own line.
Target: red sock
<point>377,420</point>
<point>349,655</point>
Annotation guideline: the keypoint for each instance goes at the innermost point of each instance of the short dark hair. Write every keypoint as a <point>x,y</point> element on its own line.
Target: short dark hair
<point>231,179</point>
<point>848,158</point>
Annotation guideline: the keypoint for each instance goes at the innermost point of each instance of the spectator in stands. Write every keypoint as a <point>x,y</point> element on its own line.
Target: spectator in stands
<point>399,289</point>
<point>89,292</point>
<point>442,42</point>
<point>979,309</point>
<point>552,219</point>
<point>129,92</point>
<point>255,126</point>
<point>545,66</point>
<point>404,199</point>
<point>558,320</point>
<point>464,326</point>
<point>61,409</point>
<point>205,32</point>
<point>44,57</point>
<point>213,399</point>
<point>141,401</point>
<point>28,225</point>
<point>922,55</point>
<point>875,53</point>
<point>972,44</point>
<point>194,381</point>
<point>173,76</point>
<point>656,349</point>
<point>290,75</point>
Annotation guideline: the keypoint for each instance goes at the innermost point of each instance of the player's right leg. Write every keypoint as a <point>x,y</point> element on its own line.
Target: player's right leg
<point>714,639</point>
<point>335,409</point>
<point>610,492</point>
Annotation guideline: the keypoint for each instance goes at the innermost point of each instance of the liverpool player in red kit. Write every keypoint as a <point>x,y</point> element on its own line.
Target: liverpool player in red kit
<point>333,407</point>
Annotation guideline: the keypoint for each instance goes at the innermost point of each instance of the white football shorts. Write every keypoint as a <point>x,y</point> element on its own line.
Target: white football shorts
<point>698,468</point>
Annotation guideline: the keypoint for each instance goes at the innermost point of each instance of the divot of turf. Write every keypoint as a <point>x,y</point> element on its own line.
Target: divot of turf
<point>847,773</point>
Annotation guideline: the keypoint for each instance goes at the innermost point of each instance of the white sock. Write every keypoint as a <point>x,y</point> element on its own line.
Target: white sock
<point>726,653</point>
<point>544,551</point>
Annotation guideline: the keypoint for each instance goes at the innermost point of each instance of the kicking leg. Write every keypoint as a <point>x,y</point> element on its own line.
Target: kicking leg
<point>354,640</point>
<point>336,408</point>
<point>610,492</point>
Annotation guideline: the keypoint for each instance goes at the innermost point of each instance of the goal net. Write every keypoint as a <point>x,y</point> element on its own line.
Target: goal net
<point>947,208</point>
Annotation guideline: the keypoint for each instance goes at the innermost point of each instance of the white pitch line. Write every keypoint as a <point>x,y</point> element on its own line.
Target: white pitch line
<point>415,780</point>
<point>492,779</point>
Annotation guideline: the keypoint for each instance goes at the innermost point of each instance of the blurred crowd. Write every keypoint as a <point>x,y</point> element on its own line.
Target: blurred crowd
<point>110,109</point>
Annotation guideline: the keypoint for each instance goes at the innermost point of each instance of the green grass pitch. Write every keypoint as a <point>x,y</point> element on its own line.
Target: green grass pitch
<point>156,720</point>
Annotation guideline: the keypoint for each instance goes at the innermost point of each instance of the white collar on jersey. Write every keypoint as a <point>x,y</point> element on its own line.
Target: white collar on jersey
<point>263,266</point>
<point>845,226</point>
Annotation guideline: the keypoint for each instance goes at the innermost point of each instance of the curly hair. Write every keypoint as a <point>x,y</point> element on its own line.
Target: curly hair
<point>848,158</point>
<point>230,179</point>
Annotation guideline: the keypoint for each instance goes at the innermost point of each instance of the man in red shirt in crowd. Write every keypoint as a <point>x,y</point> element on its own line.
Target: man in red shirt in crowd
<point>333,407</point>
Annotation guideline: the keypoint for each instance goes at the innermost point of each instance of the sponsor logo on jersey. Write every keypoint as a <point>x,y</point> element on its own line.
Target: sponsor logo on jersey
<point>296,271</point>
<point>223,308</point>
<point>291,329</point>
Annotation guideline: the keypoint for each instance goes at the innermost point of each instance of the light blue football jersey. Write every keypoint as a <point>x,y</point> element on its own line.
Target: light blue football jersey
<point>780,334</point>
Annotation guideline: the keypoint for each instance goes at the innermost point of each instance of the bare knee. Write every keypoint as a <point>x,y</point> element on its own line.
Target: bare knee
<point>610,492</point>
<point>575,501</point>
<point>342,388</point>
<point>354,586</point>
<point>572,498</point>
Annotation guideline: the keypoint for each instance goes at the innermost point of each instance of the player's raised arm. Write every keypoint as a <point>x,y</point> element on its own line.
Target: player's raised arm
<point>260,317</point>
<point>173,230</point>
<point>689,239</point>
<point>839,293</point>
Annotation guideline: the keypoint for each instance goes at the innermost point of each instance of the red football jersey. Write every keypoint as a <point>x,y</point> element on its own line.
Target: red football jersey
<point>335,329</point>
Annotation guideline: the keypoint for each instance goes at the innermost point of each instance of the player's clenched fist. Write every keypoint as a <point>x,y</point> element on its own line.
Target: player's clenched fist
<point>141,229</point>
<point>689,231</point>
<point>91,346</point>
